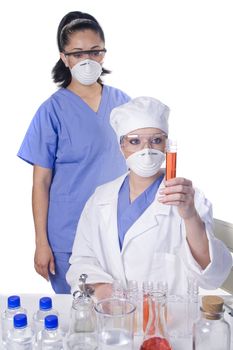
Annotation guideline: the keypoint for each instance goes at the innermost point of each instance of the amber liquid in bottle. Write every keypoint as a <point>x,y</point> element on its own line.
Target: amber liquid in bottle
<point>170,165</point>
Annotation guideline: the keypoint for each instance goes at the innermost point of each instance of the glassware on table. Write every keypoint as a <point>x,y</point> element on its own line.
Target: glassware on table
<point>155,334</point>
<point>147,289</point>
<point>115,324</point>
<point>82,329</point>
<point>211,331</point>
<point>118,289</point>
<point>192,303</point>
<point>135,296</point>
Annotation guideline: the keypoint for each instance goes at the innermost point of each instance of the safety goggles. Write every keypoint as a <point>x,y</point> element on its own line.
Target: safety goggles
<point>93,54</point>
<point>136,142</point>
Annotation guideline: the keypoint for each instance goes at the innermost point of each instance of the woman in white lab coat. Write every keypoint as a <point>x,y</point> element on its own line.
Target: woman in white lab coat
<point>141,227</point>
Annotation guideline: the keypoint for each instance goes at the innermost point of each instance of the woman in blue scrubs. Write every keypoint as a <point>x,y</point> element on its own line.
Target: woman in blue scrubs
<point>70,144</point>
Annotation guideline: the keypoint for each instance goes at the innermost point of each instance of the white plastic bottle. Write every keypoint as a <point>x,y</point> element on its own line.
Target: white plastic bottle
<point>21,337</point>
<point>45,309</point>
<point>13,308</point>
<point>51,337</point>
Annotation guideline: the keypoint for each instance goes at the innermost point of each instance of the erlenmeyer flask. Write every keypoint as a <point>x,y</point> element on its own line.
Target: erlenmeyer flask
<point>155,334</point>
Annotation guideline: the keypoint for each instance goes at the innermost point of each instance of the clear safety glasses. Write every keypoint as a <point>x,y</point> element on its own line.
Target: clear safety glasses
<point>93,54</point>
<point>136,142</point>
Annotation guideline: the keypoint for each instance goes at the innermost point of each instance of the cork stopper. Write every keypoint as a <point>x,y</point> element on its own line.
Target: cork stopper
<point>212,305</point>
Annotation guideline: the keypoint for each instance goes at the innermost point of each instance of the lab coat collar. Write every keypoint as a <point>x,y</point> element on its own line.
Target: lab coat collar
<point>149,219</point>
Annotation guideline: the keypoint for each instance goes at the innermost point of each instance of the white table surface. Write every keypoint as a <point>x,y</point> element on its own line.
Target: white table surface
<point>62,303</point>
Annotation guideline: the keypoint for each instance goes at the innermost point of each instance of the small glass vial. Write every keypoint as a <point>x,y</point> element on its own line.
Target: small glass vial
<point>134,296</point>
<point>147,289</point>
<point>211,331</point>
<point>192,304</point>
<point>118,289</point>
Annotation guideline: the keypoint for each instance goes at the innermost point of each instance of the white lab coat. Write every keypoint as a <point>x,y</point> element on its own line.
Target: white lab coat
<point>154,248</point>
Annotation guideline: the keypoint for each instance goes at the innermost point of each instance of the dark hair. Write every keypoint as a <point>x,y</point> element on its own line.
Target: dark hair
<point>73,22</point>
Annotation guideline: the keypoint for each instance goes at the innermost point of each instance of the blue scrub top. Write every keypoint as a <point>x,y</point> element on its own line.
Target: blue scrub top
<point>81,148</point>
<point>127,212</point>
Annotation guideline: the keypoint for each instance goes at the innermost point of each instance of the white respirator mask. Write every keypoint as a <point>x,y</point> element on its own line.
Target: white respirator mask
<point>145,162</point>
<point>86,72</point>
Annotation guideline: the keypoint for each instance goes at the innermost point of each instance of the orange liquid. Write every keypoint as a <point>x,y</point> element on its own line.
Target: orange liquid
<point>146,317</point>
<point>155,343</point>
<point>170,165</point>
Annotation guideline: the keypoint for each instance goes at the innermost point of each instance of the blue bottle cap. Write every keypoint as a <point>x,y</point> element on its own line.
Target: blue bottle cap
<point>45,303</point>
<point>13,302</point>
<point>20,321</point>
<point>51,322</point>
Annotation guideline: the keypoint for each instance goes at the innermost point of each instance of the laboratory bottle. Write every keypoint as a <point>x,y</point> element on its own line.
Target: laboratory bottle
<point>82,329</point>
<point>156,334</point>
<point>211,331</point>
<point>51,337</point>
<point>45,309</point>
<point>118,289</point>
<point>135,297</point>
<point>13,308</point>
<point>21,336</point>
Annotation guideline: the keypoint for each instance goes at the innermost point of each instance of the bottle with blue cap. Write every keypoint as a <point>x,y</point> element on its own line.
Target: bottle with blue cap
<point>45,309</point>
<point>51,337</point>
<point>13,308</point>
<point>21,336</point>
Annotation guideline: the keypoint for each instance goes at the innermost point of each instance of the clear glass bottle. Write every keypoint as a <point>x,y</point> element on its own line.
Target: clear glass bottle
<point>211,331</point>
<point>134,296</point>
<point>155,334</point>
<point>13,308</point>
<point>118,289</point>
<point>82,330</point>
<point>51,337</point>
<point>192,303</point>
<point>21,336</point>
<point>45,309</point>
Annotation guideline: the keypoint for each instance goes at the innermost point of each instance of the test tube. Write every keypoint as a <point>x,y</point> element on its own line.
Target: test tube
<point>171,155</point>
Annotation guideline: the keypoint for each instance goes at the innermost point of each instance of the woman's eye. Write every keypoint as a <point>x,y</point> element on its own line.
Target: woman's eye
<point>95,53</point>
<point>134,141</point>
<point>77,55</point>
<point>156,140</point>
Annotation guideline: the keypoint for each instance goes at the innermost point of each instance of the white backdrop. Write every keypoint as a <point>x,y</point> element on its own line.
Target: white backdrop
<point>177,51</point>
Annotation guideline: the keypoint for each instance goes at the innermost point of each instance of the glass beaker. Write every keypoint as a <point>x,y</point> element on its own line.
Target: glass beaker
<point>155,334</point>
<point>115,324</point>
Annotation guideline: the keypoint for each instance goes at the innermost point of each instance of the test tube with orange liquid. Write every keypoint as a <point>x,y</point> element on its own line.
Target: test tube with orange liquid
<point>171,158</point>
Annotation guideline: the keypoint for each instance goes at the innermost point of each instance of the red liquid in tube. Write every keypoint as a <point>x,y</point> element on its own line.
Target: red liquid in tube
<point>170,165</point>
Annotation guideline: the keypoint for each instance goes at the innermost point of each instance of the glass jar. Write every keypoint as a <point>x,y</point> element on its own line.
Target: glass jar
<point>211,331</point>
<point>82,329</point>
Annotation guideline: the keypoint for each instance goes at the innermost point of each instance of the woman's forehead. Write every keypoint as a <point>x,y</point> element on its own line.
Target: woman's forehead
<point>145,131</point>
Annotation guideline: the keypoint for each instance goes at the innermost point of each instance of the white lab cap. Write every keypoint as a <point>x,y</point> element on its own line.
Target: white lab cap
<point>138,113</point>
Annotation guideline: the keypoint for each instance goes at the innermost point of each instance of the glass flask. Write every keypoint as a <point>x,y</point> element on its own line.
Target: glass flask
<point>82,330</point>
<point>155,334</point>
<point>211,331</point>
